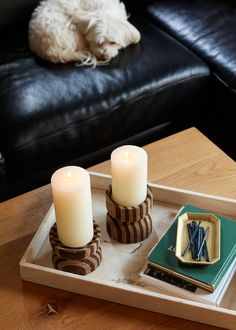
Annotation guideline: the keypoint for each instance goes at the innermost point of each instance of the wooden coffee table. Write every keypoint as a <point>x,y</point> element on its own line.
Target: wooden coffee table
<point>185,160</point>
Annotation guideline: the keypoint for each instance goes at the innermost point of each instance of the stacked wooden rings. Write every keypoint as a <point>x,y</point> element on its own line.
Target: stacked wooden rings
<point>129,224</point>
<point>82,260</point>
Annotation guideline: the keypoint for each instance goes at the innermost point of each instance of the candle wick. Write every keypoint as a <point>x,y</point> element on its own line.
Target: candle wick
<point>126,154</point>
<point>69,175</point>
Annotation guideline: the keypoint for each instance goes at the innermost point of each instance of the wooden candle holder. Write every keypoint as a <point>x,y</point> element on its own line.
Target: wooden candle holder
<point>129,224</point>
<point>82,260</point>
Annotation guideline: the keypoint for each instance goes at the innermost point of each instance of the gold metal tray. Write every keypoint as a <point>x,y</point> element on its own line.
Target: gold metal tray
<point>209,221</point>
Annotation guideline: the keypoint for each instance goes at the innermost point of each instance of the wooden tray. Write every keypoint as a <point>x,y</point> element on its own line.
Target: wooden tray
<point>116,279</point>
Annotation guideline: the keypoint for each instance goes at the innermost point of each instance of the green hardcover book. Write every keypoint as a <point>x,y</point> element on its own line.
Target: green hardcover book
<point>162,256</point>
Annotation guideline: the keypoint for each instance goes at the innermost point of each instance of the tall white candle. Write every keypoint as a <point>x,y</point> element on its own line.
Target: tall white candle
<point>73,205</point>
<point>129,175</point>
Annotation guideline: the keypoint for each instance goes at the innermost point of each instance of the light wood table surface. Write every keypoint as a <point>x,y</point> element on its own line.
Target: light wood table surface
<point>185,160</point>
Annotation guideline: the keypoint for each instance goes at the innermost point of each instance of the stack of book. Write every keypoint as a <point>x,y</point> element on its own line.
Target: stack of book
<point>163,269</point>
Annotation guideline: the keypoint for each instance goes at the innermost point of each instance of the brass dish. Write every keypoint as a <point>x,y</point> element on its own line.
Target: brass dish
<point>213,237</point>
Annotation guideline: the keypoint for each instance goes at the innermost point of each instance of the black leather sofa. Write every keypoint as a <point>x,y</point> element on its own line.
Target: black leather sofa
<point>182,74</point>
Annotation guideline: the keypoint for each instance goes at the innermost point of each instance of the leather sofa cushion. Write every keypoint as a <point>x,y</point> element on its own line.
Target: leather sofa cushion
<point>206,27</point>
<point>53,113</point>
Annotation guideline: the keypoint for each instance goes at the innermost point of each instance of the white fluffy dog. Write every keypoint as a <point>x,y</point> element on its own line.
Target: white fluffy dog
<point>88,31</point>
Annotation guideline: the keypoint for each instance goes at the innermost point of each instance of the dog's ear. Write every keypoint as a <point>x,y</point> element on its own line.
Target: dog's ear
<point>132,35</point>
<point>85,21</point>
<point>91,22</point>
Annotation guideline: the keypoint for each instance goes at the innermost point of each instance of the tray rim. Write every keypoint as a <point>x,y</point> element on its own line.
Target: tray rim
<point>157,302</point>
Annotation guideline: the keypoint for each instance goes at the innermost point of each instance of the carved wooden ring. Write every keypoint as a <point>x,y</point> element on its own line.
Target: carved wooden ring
<point>129,214</point>
<point>80,267</point>
<point>65,252</point>
<point>129,232</point>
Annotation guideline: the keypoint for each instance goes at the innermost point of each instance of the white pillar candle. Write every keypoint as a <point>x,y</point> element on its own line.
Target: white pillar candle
<point>129,175</point>
<point>73,205</point>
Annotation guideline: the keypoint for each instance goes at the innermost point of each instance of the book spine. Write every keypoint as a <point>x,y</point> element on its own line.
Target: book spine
<point>200,284</point>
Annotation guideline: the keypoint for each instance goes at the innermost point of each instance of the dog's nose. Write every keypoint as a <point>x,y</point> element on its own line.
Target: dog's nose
<point>105,54</point>
<point>104,57</point>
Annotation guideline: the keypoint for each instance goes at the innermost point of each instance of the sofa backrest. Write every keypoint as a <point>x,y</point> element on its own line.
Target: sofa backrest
<point>14,12</point>
<point>14,18</point>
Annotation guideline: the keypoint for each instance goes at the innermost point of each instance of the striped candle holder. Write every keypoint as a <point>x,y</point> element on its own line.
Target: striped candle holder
<point>129,224</point>
<point>82,260</point>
